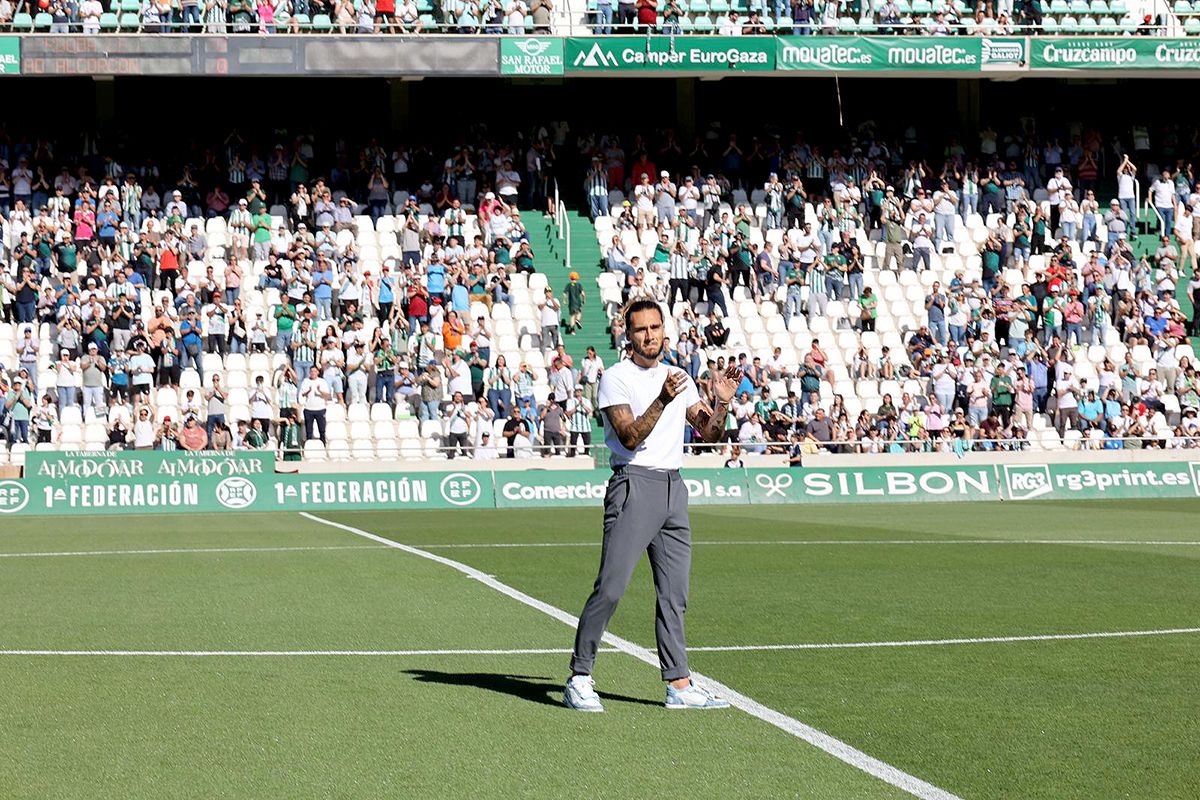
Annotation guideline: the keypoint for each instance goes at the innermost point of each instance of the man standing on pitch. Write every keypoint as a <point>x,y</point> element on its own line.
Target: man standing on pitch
<point>646,405</point>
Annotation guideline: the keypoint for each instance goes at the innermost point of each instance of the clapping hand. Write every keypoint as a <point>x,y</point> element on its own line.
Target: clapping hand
<point>725,385</point>
<point>673,386</point>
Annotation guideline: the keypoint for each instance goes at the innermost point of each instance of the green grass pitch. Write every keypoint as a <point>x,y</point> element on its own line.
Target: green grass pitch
<point>1088,718</point>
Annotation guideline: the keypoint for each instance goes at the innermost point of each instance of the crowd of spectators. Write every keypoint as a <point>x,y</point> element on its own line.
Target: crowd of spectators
<point>116,295</point>
<point>1052,311</point>
<point>264,17</point>
<point>115,291</point>
<point>888,17</point>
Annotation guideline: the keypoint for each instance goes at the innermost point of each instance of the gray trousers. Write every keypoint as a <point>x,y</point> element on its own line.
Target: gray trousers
<point>645,511</point>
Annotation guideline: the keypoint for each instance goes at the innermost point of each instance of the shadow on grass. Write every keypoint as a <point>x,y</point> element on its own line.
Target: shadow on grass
<point>534,688</point>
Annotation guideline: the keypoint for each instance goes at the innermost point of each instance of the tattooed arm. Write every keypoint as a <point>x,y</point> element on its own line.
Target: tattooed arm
<point>631,430</point>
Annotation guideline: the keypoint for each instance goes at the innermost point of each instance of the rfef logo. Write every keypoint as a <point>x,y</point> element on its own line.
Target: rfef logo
<point>1027,481</point>
<point>236,492</point>
<point>460,489</point>
<point>13,497</point>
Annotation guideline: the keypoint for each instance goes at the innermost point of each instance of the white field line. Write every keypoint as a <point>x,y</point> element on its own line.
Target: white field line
<point>163,551</point>
<point>835,747</point>
<point>701,542</point>
<point>294,653</point>
<point>1048,637</point>
<point>483,545</point>
<point>733,648</point>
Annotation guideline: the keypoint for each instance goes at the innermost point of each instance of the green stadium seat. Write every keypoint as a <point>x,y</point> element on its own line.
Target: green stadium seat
<point>1049,26</point>
<point>22,22</point>
<point>130,6</point>
<point>108,22</point>
<point>43,21</point>
<point>1088,25</point>
<point>1117,8</point>
<point>769,24</point>
<point>685,24</point>
<point>699,6</point>
<point>922,8</point>
<point>704,25</point>
<point>905,7</point>
<point>719,6</point>
<point>1191,26</point>
<point>528,22</point>
<point>1099,8</point>
<point>1109,25</point>
<point>303,21</point>
<point>427,21</point>
<point>867,26</point>
<point>1080,7</point>
<point>847,25</point>
<point>738,6</point>
<point>322,23</point>
<point>1059,8</point>
<point>1068,25</point>
<point>130,22</point>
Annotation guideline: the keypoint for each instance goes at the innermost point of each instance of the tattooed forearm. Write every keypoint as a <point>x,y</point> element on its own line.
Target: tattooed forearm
<point>630,430</point>
<point>708,422</point>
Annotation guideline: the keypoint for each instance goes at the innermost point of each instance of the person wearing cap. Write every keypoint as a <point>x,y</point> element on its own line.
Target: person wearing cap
<point>66,375</point>
<point>774,190</point>
<point>644,194</point>
<point>485,450</point>
<point>574,297</point>
<point>16,409</point>
<point>260,225</point>
<point>1117,222</point>
<point>240,223</point>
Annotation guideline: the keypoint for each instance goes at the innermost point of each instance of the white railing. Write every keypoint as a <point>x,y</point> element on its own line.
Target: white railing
<point>563,223</point>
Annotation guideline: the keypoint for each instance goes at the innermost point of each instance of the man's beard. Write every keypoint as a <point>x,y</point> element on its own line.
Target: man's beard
<point>648,355</point>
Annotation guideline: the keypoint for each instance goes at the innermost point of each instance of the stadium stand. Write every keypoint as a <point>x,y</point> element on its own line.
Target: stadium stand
<point>516,17</point>
<point>875,303</point>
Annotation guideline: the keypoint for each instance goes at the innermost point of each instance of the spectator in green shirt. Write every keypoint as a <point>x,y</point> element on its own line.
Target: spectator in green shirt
<point>1003,394</point>
<point>261,225</point>
<point>573,294</point>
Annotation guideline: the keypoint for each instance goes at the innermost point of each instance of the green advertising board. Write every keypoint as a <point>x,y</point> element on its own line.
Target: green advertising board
<point>183,482</point>
<point>586,487</point>
<point>867,484</point>
<point>531,55</point>
<point>10,55</point>
<point>670,54</point>
<point>133,481</point>
<point>1101,480</point>
<point>878,53</point>
<point>1090,53</point>
<point>179,482</point>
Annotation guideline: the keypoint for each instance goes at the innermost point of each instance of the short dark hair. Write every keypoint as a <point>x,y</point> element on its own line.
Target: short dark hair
<point>642,305</point>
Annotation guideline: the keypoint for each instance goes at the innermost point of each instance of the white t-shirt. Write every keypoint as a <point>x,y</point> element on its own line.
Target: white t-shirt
<point>1164,193</point>
<point>311,394</point>
<point>1125,186</point>
<point>625,383</point>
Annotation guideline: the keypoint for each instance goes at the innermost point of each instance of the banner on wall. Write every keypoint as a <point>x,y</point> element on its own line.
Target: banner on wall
<point>879,54</point>
<point>670,54</point>
<point>1086,53</point>
<point>71,483</point>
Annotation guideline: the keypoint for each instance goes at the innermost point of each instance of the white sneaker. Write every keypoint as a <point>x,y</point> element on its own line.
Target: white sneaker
<point>693,697</point>
<point>580,694</point>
